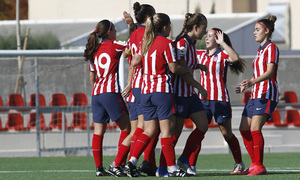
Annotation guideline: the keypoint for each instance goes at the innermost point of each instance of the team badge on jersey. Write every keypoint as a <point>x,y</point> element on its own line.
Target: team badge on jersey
<point>215,58</point>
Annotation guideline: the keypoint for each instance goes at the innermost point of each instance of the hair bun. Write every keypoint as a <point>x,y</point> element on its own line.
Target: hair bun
<point>272,18</point>
<point>136,6</point>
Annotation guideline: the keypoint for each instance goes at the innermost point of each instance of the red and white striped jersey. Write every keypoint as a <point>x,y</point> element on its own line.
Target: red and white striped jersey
<point>267,89</point>
<point>106,65</point>
<point>156,76</point>
<point>133,44</point>
<point>186,51</point>
<point>215,80</point>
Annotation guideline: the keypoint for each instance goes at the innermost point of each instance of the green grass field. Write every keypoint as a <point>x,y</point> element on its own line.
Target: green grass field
<point>217,166</point>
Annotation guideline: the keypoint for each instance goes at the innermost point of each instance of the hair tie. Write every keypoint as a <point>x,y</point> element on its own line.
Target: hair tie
<point>264,26</point>
<point>95,31</point>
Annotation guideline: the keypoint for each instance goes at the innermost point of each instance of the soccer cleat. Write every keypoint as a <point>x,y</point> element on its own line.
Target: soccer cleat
<point>162,171</point>
<point>238,168</point>
<point>146,167</point>
<point>258,170</point>
<point>177,173</point>
<point>131,170</point>
<point>116,171</point>
<point>247,171</point>
<point>101,172</point>
<point>183,163</point>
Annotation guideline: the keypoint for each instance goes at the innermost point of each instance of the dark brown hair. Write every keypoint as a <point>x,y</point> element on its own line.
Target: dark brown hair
<point>238,66</point>
<point>92,45</point>
<point>142,11</point>
<point>269,23</point>
<point>190,21</point>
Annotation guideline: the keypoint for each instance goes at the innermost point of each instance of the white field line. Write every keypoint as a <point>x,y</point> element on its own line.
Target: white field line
<point>289,169</point>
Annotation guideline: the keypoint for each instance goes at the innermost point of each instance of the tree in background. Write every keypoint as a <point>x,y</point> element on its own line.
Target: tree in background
<point>46,40</point>
<point>8,9</point>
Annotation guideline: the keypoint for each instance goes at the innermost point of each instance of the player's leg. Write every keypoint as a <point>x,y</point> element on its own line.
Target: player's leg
<point>258,143</point>
<point>100,119</point>
<point>233,144</point>
<point>151,127</point>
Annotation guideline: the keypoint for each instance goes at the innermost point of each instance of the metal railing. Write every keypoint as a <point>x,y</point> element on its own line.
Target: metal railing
<point>38,109</point>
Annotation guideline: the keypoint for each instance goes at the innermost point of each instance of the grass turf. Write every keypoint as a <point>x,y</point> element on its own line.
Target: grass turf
<point>213,166</point>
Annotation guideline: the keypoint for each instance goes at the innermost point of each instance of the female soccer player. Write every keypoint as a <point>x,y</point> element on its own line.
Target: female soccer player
<point>135,79</point>
<point>217,58</point>
<point>107,102</point>
<point>187,100</point>
<point>156,99</point>
<point>264,95</point>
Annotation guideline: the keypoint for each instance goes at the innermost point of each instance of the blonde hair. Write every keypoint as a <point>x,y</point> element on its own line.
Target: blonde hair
<point>154,25</point>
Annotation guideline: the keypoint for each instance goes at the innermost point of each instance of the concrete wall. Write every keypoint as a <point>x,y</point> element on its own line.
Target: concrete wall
<point>77,9</point>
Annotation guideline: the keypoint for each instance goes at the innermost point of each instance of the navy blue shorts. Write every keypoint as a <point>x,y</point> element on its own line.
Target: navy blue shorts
<point>137,95</point>
<point>132,111</point>
<point>108,106</point>
<point>259,107</point>
<point>221,111</point>
<point>188,105</point>
<point>157,105</point>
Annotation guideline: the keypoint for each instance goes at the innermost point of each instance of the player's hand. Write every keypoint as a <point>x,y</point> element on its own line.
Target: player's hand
<point>203,68</point>
<point>127,18</point>
<point>126,91</point>
<point>219,37</point>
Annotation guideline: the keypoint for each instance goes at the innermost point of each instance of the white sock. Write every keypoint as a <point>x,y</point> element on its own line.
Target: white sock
<point>133,160</point>
<point>172,168</point>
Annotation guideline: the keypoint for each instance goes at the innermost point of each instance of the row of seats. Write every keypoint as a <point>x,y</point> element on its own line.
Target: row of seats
<point>15,120</point>
<point>289,97</point>
<point>79,122</point>
<point>291,116</point>
<point>57,99</point>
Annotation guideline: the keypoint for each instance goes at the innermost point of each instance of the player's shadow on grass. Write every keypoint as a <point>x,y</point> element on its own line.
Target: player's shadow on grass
<point>214,174</point>
<point>281,172</point>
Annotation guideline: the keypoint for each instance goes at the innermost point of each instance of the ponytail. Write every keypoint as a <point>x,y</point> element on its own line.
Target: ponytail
<point>92,45</point>
<point>149,36</point>
<point>154,25</point>
<point>190,21</point>
<point>187,16</point>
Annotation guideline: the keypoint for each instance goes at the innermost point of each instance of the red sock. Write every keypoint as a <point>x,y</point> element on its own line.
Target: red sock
<point>162,159</point>
<point>135,136</point>
<point>123,135</point>
<point>194,156</point>
<point>258,147</point>
<point>149,153</point>
<point>235,148</point>
<point>193,141</point>
<point>122,152</point>
<point>97,149</point>
<point>168,150</point>
<point>248,141</point>
<point>140,145</point>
